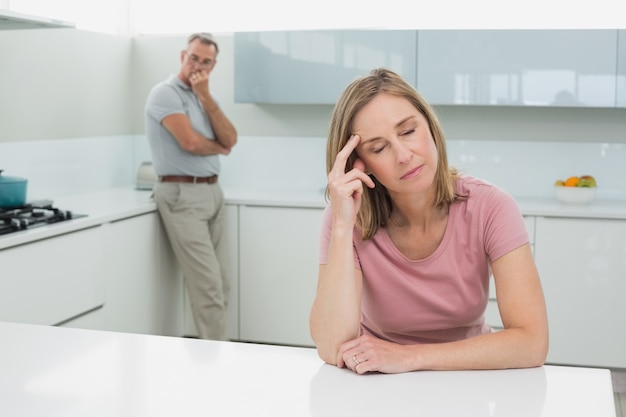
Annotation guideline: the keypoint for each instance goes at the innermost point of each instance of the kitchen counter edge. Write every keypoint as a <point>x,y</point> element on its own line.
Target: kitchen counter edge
<point>110,205</point>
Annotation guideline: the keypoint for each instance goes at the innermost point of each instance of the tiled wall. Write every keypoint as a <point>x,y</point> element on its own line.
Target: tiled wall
<point>528,169</point>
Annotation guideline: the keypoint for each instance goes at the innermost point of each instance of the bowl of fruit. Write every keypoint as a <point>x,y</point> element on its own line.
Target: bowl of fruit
<point>576,190</point>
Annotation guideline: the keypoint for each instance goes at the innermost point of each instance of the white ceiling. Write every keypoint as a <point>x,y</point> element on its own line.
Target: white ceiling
<point>184,16</point>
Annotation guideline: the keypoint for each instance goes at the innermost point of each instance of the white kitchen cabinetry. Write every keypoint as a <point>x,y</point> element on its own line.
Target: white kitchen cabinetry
<point>278,250</point>
<point>582,263</point>
<point>564,68</point>
<point>621,69</point>
<point>143,291</point>
<point>54,280</point>
<point>232,234</point>
<point>314,67</point>
<point>492,314</point>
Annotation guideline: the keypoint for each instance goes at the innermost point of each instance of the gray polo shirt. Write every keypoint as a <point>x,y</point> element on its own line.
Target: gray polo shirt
<point>172,96</point>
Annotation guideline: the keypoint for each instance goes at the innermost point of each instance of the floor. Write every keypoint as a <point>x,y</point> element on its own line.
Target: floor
<point>619,391</point>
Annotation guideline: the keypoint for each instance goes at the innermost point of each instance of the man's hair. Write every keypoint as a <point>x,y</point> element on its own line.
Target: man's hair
<point>204,38</point>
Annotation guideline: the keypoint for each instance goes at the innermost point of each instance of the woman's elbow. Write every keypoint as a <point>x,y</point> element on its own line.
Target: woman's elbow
<point>325,351</point>
<point>327,355</point>
<point>537,353</point>
<point>541,352</point>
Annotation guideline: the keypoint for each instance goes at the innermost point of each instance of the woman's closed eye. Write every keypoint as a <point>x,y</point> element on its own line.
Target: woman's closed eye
<point>379,149</point>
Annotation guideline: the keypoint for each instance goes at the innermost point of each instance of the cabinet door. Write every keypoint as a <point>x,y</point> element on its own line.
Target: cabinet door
<point>232,234</point>
<point>563,68</point>
<point>278,273</point>
<point>582,264</point>
<point>132,276</point>
<point>621,69</point>
<point>314,67</point>
<point>53,280</point>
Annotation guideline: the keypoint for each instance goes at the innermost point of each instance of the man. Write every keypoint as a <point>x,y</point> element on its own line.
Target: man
<point>187,132</point>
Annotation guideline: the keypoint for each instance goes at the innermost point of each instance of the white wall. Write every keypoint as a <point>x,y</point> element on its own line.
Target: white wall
<point>63,83</point>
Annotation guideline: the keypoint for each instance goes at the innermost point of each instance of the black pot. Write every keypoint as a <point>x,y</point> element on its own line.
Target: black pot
<point>12,191</point>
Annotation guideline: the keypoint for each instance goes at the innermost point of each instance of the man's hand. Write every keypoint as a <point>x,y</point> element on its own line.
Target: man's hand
<point>200,83</point>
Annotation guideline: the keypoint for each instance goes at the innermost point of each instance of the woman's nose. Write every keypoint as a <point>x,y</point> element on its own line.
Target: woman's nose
<point>403,153</point>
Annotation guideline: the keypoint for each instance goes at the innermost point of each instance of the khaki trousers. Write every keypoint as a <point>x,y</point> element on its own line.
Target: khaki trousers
<point>193,217</point>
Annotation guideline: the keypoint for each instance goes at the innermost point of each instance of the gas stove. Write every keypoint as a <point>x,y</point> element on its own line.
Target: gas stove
<point>35,214</point>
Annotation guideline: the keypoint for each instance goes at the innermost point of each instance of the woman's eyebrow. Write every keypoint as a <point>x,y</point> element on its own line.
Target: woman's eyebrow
<point>368,140</point>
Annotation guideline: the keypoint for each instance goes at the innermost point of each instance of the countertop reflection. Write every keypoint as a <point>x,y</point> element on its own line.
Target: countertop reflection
<point>519,392</point>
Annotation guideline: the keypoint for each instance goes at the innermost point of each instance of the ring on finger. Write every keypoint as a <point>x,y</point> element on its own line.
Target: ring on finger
<point>355,360</point>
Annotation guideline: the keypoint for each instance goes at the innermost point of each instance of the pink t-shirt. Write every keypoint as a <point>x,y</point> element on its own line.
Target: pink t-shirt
<point>442,297</point>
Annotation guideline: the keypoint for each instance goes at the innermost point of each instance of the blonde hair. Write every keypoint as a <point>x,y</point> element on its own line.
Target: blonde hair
<point>376,203</point>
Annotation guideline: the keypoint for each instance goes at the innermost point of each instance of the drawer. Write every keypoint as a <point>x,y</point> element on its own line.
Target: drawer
<point>53,280</point>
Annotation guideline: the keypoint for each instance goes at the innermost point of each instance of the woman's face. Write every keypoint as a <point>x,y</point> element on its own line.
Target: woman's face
<point>396,144</point>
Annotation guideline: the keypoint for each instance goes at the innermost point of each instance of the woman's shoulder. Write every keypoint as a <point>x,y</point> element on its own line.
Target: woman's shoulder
<point>469,186</point>
<point>477,192</point>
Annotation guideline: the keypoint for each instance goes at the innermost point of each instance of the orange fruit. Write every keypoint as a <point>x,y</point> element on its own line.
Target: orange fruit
<point>572,181</point>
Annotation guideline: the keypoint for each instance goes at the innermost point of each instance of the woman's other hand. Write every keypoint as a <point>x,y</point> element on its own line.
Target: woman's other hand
<point>370,354</point>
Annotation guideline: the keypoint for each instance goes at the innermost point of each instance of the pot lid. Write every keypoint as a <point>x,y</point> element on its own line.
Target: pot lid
<point>10,180</point>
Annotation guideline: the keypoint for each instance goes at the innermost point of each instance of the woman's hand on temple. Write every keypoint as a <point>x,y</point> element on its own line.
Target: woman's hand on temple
<point>346,188</point>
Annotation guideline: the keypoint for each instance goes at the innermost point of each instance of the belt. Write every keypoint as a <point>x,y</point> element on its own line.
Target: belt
<point>185,178</point>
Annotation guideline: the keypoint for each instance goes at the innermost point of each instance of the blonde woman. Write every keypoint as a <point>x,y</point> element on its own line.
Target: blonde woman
<point>408,245</point>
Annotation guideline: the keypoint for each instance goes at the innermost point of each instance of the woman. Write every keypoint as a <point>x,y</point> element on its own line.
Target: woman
<point>408,246</point>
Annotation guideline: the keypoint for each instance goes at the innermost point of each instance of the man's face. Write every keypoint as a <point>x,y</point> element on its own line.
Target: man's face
<point>198,57</point>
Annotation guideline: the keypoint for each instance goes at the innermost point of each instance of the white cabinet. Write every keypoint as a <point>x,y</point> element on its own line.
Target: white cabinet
<point>53,280</point>
<point>565,68</point>
<point>621,69</point>
<point>140,298</point>
<point>492,314</point>
<point>582,264</point>
<point>278,250</point>
<point>232,234</point>
<point>314,67</point>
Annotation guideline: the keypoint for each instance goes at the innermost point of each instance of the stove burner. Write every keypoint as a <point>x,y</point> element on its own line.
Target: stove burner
<point>32,215</point>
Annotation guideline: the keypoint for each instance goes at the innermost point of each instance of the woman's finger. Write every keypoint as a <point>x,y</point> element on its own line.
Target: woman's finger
<point>342,157</point>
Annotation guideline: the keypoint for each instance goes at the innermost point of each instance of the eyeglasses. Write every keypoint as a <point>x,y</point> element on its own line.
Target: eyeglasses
<point>194,59</point>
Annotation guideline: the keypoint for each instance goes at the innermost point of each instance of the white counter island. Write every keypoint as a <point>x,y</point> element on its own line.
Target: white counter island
<point>52,371</point>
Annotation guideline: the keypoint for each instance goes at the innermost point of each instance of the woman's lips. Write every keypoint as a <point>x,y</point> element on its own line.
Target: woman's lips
<point>412,173</point>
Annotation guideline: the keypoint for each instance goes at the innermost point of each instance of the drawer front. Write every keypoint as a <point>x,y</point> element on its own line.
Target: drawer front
<point>53,280</point>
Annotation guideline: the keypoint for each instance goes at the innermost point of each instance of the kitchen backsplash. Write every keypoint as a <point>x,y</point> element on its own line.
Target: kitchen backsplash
<point>525,169</point>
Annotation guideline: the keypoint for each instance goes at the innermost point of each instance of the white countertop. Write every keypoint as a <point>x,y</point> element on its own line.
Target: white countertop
<point>53,371</point>
<point>118,203</point>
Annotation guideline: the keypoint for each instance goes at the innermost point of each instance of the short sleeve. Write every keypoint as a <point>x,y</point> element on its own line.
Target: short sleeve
<point>505,229</point>
<point>164,101</point>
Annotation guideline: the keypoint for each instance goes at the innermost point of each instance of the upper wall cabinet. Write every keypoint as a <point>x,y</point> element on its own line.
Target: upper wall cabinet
<point>314,67</point>
<point>621,69</point>
<point>10,20</point>
<point>564,68</point>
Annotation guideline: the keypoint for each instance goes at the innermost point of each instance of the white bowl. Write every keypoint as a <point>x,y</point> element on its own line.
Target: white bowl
<point>575,195</point>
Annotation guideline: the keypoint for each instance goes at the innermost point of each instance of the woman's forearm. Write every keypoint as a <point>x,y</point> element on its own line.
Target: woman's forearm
<point>505,349</point>
<point>335,315</point>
